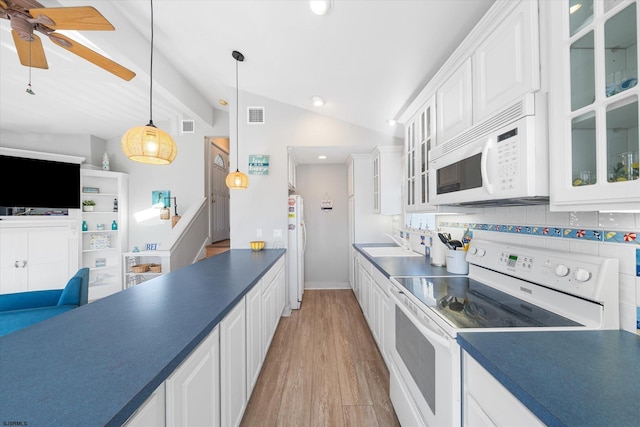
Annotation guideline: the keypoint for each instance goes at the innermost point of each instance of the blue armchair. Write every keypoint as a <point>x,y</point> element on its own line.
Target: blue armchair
<point>22,309</point>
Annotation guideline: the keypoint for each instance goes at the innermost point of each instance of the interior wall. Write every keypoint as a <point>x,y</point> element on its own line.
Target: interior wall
<point>264,204</point>
<point>327,253</point>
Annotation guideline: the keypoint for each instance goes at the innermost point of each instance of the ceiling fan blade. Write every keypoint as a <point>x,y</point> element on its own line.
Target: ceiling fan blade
<point>72,18</point>
<point>31,53</point>
<point>91,56</point>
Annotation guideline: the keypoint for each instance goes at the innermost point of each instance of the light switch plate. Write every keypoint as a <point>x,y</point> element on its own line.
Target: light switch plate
<point>277,234</point>
<point>259,232</point>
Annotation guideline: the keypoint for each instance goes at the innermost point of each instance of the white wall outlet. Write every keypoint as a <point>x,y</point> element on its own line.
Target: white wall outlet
<point>259,232</point>
<point>277,234</point>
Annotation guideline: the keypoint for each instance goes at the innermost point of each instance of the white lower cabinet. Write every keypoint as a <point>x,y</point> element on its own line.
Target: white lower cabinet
<point>486,402</point>
<point>255,348</point>
<point>37,255</point>
<point>233,366</point>
<point>152,411</point>
<point>192,390</point>
<point>375,304</point>
<point>212,386</point>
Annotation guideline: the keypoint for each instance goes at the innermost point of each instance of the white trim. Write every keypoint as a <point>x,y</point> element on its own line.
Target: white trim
<point>14,152</point>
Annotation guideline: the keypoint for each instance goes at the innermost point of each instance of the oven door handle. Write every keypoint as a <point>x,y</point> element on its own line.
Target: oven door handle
<point>484,159</point>
<point>426,331</point>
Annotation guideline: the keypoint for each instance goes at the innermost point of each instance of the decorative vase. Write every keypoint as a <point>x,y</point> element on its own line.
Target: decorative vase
<point>105,161</point>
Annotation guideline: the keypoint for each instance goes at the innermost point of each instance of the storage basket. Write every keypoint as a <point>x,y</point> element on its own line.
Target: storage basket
<point>155,268</point>
<point>140,268</point>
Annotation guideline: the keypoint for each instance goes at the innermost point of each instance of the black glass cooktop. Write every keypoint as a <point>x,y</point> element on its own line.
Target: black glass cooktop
<point>467,303</point>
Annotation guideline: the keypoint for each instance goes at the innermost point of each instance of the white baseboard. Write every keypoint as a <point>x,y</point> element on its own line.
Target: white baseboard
<point>326,285</point>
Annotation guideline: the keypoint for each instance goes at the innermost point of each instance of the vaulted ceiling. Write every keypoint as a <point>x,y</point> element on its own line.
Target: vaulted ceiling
<point>366,59</point>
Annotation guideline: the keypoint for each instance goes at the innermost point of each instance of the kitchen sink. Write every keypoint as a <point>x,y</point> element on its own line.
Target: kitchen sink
<point>387,251</point>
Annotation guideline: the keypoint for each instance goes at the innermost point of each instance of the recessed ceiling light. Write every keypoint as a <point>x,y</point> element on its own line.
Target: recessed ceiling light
<point>317,101</point>
<point>222,102</point>
<point>320,7</point>
<point>322,157</point>
<point>391,122</point>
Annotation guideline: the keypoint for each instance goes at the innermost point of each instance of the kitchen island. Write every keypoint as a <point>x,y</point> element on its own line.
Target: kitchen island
<point>95,365</point>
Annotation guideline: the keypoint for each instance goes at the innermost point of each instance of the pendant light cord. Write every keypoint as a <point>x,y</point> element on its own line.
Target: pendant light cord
<point>237,113</point>
<point>151,73</point>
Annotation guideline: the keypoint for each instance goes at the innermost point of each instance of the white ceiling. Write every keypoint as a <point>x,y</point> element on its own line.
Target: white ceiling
<point>367,59</point>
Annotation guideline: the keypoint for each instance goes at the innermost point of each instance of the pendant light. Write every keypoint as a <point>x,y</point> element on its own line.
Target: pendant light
<point>148,144</point>
<point>237,180</point>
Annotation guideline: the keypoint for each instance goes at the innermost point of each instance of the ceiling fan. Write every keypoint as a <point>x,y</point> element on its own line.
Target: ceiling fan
<point>27,16</point>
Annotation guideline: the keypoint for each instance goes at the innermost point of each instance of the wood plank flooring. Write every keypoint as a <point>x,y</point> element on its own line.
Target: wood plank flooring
<point>323,369</point>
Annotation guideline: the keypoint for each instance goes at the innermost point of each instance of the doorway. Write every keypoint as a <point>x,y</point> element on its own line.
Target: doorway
<point>219,226</point>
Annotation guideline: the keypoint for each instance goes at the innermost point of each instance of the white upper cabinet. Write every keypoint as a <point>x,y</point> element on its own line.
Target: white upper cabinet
<point>387,180</point>
<point>420,136</point>
<point>593,118</point>
<point>454,103</point>
<point>506,65</point>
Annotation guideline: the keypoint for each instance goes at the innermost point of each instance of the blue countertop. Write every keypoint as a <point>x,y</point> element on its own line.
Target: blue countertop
<point>403,266</point>
<point>95,365</point>
<point>570,378</point>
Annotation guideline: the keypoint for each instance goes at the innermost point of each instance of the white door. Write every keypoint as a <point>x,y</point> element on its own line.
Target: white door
<point>219,194</point>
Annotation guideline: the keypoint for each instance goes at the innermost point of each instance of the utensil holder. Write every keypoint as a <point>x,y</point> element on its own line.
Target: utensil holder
<point>456,262</point>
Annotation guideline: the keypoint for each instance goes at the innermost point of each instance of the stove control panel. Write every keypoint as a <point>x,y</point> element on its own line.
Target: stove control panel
<point>577,274</point>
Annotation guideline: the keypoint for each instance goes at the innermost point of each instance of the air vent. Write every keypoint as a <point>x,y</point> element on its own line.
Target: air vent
<point>255,115</point>
<point>188,126</point>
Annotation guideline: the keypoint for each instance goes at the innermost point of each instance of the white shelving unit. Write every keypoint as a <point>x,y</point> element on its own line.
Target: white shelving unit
<point>131,259</point>
<point>103,246</point>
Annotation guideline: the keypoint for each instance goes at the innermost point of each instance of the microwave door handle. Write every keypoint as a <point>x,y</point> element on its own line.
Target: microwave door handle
<point>484,173</point>
<point>427,332</point>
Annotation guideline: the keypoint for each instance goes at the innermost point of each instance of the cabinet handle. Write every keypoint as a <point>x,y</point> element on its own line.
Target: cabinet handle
<point>16,264</point>
<point>24,263</point>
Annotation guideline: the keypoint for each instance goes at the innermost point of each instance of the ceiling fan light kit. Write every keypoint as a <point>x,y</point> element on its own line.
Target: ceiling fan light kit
<point>148,144</point>
<point>237,180</point>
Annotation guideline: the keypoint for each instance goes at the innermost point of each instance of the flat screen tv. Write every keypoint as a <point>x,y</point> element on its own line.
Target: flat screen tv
<point>34,183</point>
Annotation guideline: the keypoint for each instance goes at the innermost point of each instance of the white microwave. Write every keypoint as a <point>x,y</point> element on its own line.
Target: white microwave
<point>502,161</point>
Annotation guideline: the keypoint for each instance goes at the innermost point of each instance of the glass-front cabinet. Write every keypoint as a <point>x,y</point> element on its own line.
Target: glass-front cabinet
<point>594,110</point>
<point>420,138</point>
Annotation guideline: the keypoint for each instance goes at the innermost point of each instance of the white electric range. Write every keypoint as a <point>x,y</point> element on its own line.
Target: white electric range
<point>508,288</point>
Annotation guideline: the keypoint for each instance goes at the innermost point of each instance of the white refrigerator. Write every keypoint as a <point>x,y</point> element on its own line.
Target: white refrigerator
<point>297,244</point>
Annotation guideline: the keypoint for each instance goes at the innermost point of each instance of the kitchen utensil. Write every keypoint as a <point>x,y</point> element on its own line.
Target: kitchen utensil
<point>455,244</point>
<point>444,240</point>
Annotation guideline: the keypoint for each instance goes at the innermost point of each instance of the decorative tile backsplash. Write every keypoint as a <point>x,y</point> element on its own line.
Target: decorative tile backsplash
<point>629,237</point>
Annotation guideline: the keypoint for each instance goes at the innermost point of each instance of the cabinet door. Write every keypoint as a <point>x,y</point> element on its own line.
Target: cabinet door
<point>192,390</point>
<point>486,402</point>
<point>37,258</point>
<point>233,366</point>
<point>454,108</point>
<point>48,258</point>
<point>152,412</point>
<point>255,349</point>
<point>594,140</point>
<point>410,156</point>
<point>506,64</point>
<point>13,261</point>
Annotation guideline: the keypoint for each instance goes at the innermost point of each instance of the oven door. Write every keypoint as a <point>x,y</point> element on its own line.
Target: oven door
<point>424,369</point>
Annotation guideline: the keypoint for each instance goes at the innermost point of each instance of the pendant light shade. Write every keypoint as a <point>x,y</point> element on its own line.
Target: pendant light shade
<point>148,144</point>
<point>237,180</point>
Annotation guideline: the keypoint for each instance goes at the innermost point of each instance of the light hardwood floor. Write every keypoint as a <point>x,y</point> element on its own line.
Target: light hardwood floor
<point>323,369</point>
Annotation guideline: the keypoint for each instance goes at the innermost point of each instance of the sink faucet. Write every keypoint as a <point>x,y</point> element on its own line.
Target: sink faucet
<point>400,242</point>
